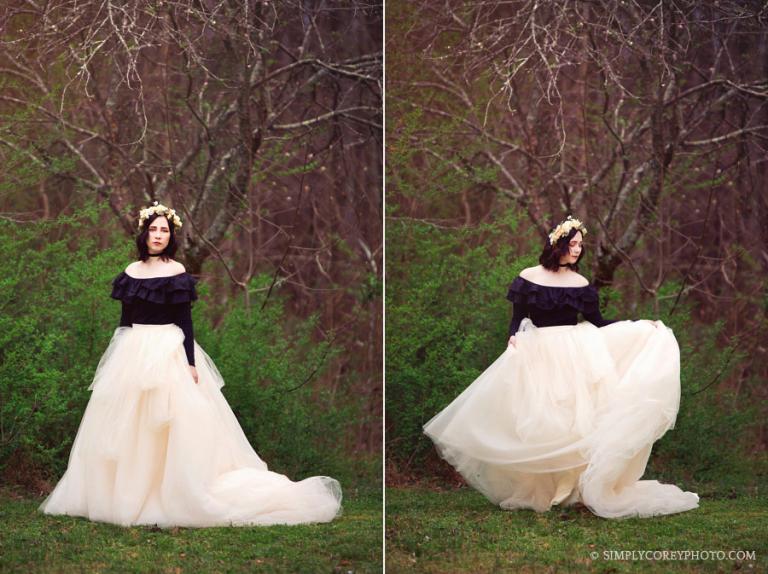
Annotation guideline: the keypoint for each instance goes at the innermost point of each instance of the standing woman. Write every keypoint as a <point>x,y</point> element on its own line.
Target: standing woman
<point>158,442</point>
<point>570,411</point>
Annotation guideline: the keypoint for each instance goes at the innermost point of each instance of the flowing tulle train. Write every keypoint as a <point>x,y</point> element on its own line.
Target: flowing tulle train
<point>153,447</point>
<point>570,415</point>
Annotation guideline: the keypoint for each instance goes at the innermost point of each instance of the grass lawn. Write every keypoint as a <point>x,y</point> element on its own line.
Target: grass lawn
<point>33,542</point>
<point>460,531</point>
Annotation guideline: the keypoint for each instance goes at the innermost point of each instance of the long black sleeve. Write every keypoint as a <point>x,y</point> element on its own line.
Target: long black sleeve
<point>596,318</point>
<point>125,315</point>
<point>519,312</point>
<point>184,321</point>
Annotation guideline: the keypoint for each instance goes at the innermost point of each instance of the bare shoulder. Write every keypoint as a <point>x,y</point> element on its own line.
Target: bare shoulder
<point>544,277</point>
<point>140,270</point>
<point>531,273</point>
<point>580,280</point>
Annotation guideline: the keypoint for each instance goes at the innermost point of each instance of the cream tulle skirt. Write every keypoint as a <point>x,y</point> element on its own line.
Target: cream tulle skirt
<point>570,415</point>
<point>153,447</point>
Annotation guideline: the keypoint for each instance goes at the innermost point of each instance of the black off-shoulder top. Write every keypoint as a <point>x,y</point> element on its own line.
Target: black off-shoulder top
<point>548,306</point>
<point>158,301</point>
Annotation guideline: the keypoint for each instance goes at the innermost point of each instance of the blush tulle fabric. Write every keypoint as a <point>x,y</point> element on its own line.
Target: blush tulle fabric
<point>155,448</point>
<point>570,415</point>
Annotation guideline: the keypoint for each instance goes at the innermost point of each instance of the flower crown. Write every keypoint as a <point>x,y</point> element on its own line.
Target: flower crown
<point>565,227</point>
<point>159,209</point>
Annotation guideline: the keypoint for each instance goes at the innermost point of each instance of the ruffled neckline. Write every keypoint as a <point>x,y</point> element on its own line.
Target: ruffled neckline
<point>179,288</point>
<point>551,297</point>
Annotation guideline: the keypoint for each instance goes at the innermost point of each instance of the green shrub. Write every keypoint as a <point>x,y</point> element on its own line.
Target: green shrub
<point>268,366</point>
<point>56,319</point>
<point>709,445</point>
<point>447,319</point>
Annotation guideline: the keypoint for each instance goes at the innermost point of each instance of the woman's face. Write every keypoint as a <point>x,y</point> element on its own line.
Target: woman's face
<point>574,249</point>
<point>159,235</point>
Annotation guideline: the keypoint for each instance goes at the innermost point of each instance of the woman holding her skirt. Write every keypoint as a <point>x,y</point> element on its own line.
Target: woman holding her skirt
<point>570,411</point>
<point>158,442</point>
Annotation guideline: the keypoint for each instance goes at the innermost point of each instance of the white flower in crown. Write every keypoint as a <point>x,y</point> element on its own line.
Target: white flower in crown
<point>565,227</point>
<point>159,209</point>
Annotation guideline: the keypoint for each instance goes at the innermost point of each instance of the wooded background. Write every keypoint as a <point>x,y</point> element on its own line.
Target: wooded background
<point>647,120</point>
<point>259,122</point>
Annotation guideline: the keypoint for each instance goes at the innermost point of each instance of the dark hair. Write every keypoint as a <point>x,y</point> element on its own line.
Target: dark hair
<point>141,240</point>
<point>550,256</point>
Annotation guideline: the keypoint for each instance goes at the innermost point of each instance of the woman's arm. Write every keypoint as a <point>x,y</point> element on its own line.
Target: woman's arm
<point>126,319</point>
<point>184,321</point>
<point>594,316</point>
<point>519,312</point>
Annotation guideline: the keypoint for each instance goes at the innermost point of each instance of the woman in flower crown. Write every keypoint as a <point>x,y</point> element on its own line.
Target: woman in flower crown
<point>158,443</point>
<point>570,411</point>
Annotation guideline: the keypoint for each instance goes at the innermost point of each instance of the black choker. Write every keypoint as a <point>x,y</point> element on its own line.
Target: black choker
<point>154,254</point>
<point>564,264</point>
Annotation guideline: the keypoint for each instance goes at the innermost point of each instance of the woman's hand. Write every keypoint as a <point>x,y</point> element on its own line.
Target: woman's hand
<point>512,341</point>
<point>193,370</point>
